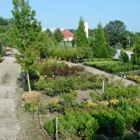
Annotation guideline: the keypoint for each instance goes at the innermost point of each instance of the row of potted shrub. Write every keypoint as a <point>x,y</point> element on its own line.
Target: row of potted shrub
<point>97,59</point>
<point>112,66</point>
<point>52,86</point>
<point>103,65</point>
<point>124,68</point>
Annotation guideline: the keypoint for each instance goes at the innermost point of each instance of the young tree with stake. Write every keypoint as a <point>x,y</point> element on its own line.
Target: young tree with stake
<point>24,34</point>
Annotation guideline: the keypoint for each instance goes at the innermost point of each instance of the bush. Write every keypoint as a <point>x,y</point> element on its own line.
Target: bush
<point>42,109</point>
<point>29,106</point>
<point>50,127</point>
<point>123,56</point>
<point>119,125</point>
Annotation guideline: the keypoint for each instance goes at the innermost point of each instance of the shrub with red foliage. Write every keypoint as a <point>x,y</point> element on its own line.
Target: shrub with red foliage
<point>64,70</point>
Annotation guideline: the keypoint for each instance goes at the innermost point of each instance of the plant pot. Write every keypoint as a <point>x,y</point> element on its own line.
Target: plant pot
<point>61,111</point>
<point>56,93</point>
<point>51,110</point>
<point>32,112</point>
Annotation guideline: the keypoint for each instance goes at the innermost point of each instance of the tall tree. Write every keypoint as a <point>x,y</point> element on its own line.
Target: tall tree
<point>92,32</point>
<point>4,39</point>
<point>123,56</point>
<point>4,22</point>
<point>114,31</point>
<point>81,39</point>
<point>49,33</point>
<point>136,53</point>
<point>44,45</point>
<point>99,41</point>
<point>3,29</point>
<point>4,26</point>
<point>24,34</point>
<point>103,52</point>
<point>58,35</point>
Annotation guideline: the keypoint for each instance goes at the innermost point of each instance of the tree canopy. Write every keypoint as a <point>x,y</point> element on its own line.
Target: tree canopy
<point>49,33</point>
<point>4,22</point>
<point>114,31</point>
<point>4,26</point>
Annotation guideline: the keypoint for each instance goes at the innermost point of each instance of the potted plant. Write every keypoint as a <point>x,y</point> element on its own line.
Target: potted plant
<point>32,108</point>
<point>60,109</point>
<point>52,107</point>
<point>49,91</point>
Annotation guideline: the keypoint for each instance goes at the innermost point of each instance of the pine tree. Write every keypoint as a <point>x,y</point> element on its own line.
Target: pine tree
<point>58,35</point>
<point>123,56</point>
<point>81,40</point>
<point>99,42</point>
<point>136,54</point>
<point>24,33</point>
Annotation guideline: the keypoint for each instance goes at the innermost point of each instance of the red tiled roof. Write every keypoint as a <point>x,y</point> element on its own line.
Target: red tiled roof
<point>67,33</point>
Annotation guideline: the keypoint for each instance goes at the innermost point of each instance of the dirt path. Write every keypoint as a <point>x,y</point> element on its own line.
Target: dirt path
<point>97,71</point>
<point>15,124</point>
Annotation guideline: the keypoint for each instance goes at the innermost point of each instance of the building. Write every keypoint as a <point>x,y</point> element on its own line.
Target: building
<point>68,36</point>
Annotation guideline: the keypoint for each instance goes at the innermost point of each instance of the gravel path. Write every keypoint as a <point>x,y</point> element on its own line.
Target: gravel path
<point>15,124</point>
<point>9,73</point>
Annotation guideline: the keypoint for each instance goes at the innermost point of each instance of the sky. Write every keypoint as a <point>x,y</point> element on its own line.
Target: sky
<point>67,13</point>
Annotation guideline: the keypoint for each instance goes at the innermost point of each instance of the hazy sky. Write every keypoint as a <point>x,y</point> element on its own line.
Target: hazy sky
<point>66,13</point>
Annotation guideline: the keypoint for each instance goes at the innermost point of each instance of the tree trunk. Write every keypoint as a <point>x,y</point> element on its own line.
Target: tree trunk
<point>28,80</point>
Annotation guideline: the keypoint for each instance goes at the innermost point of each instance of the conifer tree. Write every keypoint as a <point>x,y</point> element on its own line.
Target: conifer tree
<point>123,56</point>
<point>136,54</point>
<point>81,39</point>
<point>103,52</point>
<point>99,42</point>
<point>58,35</point>
<point>24,34</point>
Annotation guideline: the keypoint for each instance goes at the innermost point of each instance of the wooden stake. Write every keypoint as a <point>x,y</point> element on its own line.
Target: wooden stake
<point>56,128</point>
<point>103,86</point>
